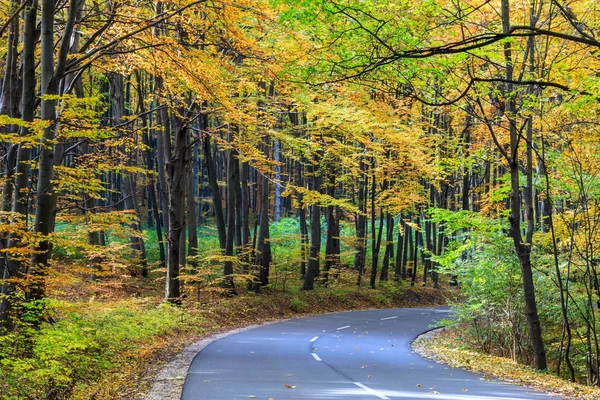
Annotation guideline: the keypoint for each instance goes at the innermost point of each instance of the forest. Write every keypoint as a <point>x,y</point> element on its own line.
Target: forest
<point>159,158</point>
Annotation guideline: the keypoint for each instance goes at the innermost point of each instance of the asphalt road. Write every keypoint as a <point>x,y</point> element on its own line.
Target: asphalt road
<point>363,355</point>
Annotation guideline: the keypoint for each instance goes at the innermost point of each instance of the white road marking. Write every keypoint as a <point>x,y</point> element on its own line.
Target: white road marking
<point>343,327</point>
<point>383,319</point>
<point>371,391</point>
<point>315,356</point>
<point>313,339</point>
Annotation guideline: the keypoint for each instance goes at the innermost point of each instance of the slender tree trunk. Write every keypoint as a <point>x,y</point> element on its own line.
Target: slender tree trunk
<point>9,105</point>
<point>522,247</point>
<point>361,223</point>
<point>429,248</point>
<point>332,244</point>
<point>399,251</point>
<point>415,254</point>
<point>127,179</point>
<point>19,194</point>
<point>192,218</point>
<point>303,225</point>
<point>405,250</point>
<point>245,216</point>
<point>175,174</point>
<point>313,269</point>
<point>389,248</point>
<point>232,180</point>
<point>263,251</point>
<point>215,191</point>
<point>46,198</point>
<point>153,203</point>
<point>375,241</point>
<point>238,207</point>
<point>277,159</point>
<point>466,185</point>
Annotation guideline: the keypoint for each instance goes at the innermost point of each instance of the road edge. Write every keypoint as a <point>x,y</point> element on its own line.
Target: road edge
<point>168,382</point>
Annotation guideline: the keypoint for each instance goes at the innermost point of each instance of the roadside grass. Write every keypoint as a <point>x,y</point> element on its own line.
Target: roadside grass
<point>448,346</point>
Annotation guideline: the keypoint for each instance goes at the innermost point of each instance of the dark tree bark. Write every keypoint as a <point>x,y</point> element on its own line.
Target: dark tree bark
<point>415,254</point>
<point>406,249</point>
<point>232,180</point>
<point>211,171</point>
<point>389,248</point>
<point>332,244</point>
<point>176,181</point>
<point>399,252</point>
<point>303,225</point>
<point>466,184</point>
<point>313,270</point>
<point>238,207</point>
<point>263,249</point>
<point>375,241</point>
<point>245,217</point>
<point>192,218</point>
<point>9,105</point>
<point>361,223</point>
<point>277,159</point>
<point>429,248</point>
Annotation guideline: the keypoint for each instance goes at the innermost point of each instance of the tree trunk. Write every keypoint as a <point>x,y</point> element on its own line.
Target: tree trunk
<point>375,241</point>
<point>399,252</point>
<point>175,174</point>
<point>302,220</point>
<point>211,171</point>
<point>522,248</point>
<point>20,199</point>
<point>415,254</point>
<point>313,270</point>
<point>332,244</point>
<point>277,159</point>
<point>361,223</point>
<point>263,250</point>
<point>245,216</point>
<point>232,179</point>
<point>9,104</point>
<point>46,198</point>
<point>389,248</point>
<point>192,218</point>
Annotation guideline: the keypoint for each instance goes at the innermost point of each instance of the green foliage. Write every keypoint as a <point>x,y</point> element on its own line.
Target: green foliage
<point>81,346</point>
<point>482,256</point>
<point>297,304</point>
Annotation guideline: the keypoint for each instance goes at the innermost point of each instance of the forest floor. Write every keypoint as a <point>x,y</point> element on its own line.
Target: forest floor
<point>122,333</point>
<point>446,346</point>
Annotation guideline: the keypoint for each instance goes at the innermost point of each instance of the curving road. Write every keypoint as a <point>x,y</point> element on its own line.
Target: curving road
<point>363,355</point>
